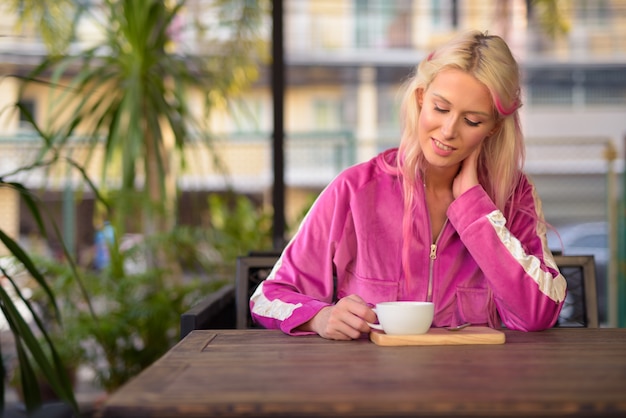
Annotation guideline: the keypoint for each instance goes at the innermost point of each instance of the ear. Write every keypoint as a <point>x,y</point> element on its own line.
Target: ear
<point>419,96</point>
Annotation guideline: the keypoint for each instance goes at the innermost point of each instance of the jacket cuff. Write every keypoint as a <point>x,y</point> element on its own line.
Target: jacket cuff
<point>300,316</point>
<point>471,206</point>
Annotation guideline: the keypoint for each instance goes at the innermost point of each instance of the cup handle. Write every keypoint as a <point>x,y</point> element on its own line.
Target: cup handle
<point>375,326</point>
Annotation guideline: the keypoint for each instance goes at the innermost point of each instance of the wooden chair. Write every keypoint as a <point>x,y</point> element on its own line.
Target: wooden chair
<point>581,305</point>
<point>215,311</point>
<point>251,271</point>
<point>229,307</point>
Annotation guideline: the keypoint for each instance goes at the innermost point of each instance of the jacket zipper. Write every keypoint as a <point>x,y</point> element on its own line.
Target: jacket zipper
<point>433,257</point>
<point>433,251</point>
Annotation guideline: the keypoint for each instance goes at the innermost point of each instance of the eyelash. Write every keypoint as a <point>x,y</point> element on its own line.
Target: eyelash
<point>469,122</point>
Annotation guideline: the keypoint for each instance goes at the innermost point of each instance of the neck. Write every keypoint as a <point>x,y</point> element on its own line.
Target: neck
<point>439,179</point>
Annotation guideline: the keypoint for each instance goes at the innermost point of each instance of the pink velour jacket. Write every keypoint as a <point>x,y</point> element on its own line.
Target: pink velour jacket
<point>483,268</point>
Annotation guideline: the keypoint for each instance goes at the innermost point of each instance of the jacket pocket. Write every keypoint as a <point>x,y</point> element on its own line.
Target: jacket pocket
<point>473,305</point>
<point>371,290</point>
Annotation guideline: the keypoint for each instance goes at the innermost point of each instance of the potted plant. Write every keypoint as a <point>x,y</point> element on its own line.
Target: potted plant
<point>70,353</point>
<point>140,118</point>
<point>37,355</point>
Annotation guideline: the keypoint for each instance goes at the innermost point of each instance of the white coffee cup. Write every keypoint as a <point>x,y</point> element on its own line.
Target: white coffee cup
<point>403,317</point>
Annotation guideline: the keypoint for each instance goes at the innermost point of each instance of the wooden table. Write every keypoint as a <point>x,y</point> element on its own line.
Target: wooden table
<point>559,372</point>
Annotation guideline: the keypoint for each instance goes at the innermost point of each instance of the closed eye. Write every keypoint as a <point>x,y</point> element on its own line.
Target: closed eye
<point>469,122</point>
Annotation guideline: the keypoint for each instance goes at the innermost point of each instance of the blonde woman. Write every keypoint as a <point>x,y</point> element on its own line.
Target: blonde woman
<point>447,217</point>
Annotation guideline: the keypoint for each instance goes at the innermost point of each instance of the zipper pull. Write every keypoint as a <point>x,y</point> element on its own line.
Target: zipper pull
<point>433,251</point>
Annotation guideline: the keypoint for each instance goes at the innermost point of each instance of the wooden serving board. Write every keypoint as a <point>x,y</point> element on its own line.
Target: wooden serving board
<point>441,336</point>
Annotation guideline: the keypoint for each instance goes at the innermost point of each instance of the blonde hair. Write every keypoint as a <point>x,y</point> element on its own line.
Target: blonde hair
<point>489,60</point>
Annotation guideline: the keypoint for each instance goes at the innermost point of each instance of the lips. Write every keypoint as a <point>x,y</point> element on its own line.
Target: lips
<point>440,148</point>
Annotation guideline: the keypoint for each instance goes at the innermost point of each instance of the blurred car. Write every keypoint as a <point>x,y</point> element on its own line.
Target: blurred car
<point>591,238</point>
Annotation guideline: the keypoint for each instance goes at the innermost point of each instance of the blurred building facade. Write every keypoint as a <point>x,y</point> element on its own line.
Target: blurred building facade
<point>346,61</point>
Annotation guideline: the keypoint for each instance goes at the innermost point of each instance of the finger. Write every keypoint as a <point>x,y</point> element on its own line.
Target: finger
<point>355,298</point>
<point>345,333</point>
<point>355,315</point>
<point>476,154</point>
<point>339,328</point>
<point>361,309</point>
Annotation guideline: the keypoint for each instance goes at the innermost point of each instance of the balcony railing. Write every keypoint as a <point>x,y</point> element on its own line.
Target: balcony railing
<point>243,162</point>
<point>575,177</point>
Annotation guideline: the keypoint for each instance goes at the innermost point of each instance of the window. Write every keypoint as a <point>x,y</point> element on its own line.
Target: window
<point>594,13</point>
<point>247,115</point>
<point>382,23</point>
<point>443,14</point>
<point>327,115</point>
<point>605,87</point>
<point>389,117</point>
<point>580,86</point>
<point>551,87</point>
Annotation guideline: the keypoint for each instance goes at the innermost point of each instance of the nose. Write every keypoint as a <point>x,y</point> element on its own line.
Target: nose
<point>448,127</point>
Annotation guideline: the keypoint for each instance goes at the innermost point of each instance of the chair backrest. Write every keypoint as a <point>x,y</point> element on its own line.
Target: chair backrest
<point>228,307</point>
<point>581,304</point>
<point>579,310</point>
<point>216,310</point>
<point>251,270</point>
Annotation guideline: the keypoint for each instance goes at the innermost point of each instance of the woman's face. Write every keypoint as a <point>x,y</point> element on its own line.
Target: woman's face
<point>456,116</point>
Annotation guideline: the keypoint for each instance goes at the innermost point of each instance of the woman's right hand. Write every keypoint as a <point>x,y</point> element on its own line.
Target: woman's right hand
<point>346,320</point>
<point>468,175</point>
